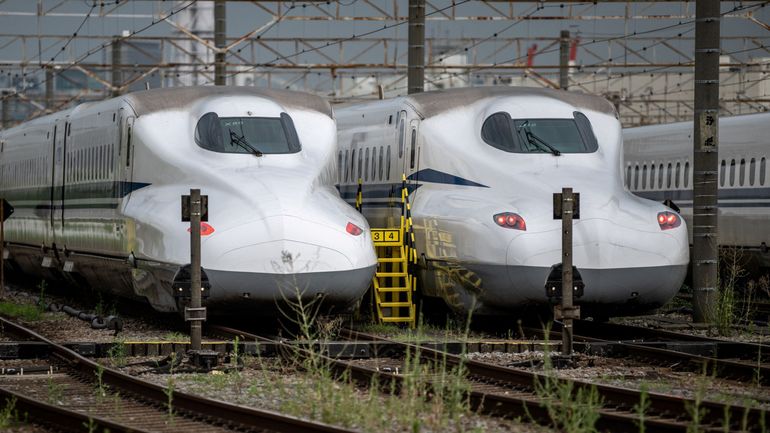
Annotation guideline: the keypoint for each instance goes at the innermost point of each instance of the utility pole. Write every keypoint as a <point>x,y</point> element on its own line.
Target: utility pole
<point>416,68</point>
<point>220,32</point>
<point>49,88</point>
<point>117,60</point>
<point>564,60</point>
<point>705,260</point>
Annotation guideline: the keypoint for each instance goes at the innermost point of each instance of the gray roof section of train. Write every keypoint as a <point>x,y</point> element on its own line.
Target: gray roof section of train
<point>433,103</point>
<point>174,98</point>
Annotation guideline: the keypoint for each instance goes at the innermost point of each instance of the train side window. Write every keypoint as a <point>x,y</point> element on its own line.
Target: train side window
<point>360,163</point>
<point>401,133</point>
<point>414,144</point>
<point>722,173</point>
<point>644,176</point>
<point>366,165</point>
<point>668,176</point>
<point>636,177</point>
<point>347,167</point>
<point>742,172</point>
<point>387,164</point>
<point>379,165</point>
<point>628,177</point>
<point>374,163</point>
<point>353,167</point>
<point>390,119</point>
<point>752,170</point>
<point>686,174</point>
<point>339,167</point>
<point>762,171</point>
<point>660,176</point>
<point>652,176</point>
<point>677,174</point>
<point>732,172</point>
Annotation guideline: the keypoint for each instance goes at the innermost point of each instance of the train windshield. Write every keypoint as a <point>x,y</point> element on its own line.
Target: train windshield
<point>554,136</point>
<point>255,135</point>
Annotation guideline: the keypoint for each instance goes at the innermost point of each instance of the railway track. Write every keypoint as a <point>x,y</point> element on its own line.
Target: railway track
<point>102,398</point>
<point>746,362</point>
<point>508,392</point>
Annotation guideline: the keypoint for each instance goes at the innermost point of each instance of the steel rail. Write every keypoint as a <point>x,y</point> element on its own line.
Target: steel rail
<point>625,398</point>
<point>752,366</point>
<point>215,409</point>
<point>523,402</point>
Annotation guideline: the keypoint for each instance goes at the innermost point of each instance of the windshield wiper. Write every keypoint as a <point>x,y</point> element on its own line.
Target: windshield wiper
<point>241,141</point>
<point>532,138</point>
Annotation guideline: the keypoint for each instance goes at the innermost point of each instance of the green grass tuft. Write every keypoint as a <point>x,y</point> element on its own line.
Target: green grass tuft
<point>30,313</point>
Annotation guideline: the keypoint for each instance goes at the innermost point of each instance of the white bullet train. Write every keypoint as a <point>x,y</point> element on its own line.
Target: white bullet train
<point>658,166</point>
<point>482,165</point>
<point>97,193</point>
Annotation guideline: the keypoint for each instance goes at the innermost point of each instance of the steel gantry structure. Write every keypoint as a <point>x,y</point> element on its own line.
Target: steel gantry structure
<point>637,54</point>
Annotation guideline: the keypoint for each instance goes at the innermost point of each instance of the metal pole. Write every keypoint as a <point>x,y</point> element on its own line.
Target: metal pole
<point>219,40</point>
<point>117,60</point>
<point>566,269</point>
<point>6,109</point>
<point>705,256</point>
<point>416,67</point>
<point>564,60</point>
<point>195,266</point>
<point>49,88</point>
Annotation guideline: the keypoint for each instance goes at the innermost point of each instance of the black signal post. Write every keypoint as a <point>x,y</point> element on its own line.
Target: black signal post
<point>195,313</point>
<point>566,208</point>
<point>5,211</point>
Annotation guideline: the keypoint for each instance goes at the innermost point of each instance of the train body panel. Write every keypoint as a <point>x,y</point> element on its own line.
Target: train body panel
<point>658,166</point>
<point>277,225</point>
<point>459,183</point>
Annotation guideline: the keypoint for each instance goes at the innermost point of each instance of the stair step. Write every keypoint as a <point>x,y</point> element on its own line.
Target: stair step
<point>395,304</point>
<point>397,319</point>
<point>394,289</point>
<point>390,274</point>
<point>391,259</point>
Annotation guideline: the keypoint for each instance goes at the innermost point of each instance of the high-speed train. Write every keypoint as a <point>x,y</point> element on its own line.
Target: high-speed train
<point>482,165</point>
<point>658,166</point>
<point>97,191</point>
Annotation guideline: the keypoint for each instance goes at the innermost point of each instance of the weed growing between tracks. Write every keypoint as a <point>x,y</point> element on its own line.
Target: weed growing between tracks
<point>570,410</point>
<point>8,414</point>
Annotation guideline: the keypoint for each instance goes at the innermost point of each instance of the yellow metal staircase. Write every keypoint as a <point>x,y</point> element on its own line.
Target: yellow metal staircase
<point>393,282</point>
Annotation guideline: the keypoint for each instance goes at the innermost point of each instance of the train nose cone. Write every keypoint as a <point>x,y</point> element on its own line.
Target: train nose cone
<point>618,264</point>
<point>283,255</point>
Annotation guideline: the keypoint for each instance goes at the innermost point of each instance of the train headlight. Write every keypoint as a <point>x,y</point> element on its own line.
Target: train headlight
<point>353,229</point>
<point>669,220</point>
<point>206,229</point>
<point>510,220</point>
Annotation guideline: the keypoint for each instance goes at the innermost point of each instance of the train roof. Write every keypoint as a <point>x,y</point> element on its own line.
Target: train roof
<point>150,101</point>
<point>436,102</point>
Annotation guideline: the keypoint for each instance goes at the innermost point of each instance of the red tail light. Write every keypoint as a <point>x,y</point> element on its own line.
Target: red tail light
<point>669,220</point>
<point>206,229</point>
<point>510,220</point>
<point>353,229</point>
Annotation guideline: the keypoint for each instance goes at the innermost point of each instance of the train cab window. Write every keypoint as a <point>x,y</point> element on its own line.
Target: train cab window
<point>732,172</point>
<point>686,174</point>
<point>366,165</point>
<point>652,176</point>
<point>379,163</point>
<point>762,171</point>
<point>347,166</point>
<point>742,172</point>
<point>752,171</point>
<point>668,176</point>
<point>636,177</point>
<point>267,135</point>
<point>722,173</point>
<point>677,174</point>
<point>387,165</point>
<point>539,135</point>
